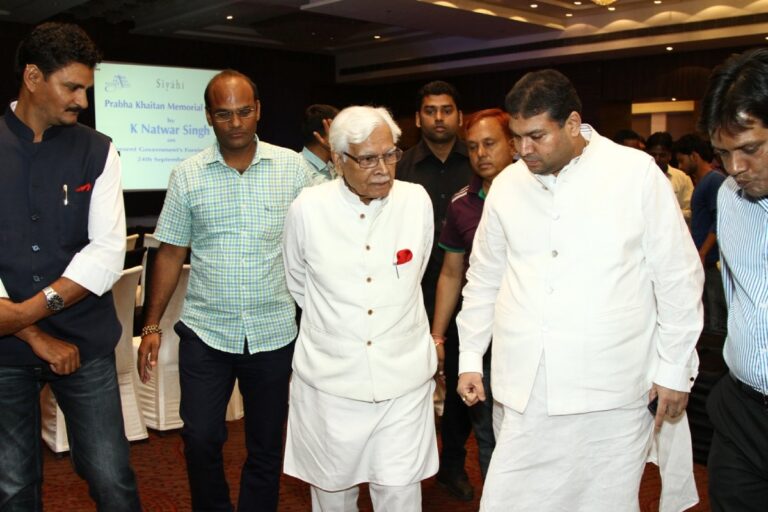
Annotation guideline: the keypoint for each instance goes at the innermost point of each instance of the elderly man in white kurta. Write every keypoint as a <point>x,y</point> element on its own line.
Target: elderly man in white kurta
<point>584,273</point>
<point>355,250</point>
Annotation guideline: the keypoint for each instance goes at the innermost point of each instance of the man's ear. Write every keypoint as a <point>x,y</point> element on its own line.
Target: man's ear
<point>573,124</point>
<point>418,120</point>
<point>337,164</point>
<point>32,77</point>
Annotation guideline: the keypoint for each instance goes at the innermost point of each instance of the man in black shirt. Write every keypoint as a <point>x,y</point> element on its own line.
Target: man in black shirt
<point>439,163</point>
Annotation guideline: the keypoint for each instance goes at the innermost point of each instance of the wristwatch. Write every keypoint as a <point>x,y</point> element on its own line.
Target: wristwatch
<point>53,300</point>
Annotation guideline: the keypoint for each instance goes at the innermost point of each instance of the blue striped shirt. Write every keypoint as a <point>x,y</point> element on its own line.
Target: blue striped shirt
<point>234,224</point>
<point>742,227</point>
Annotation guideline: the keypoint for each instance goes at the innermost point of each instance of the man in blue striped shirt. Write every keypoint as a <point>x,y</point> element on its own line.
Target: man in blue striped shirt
<point>735,114</point>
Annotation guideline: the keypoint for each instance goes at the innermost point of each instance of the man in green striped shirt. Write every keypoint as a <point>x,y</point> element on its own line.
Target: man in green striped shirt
<point>227,204</point>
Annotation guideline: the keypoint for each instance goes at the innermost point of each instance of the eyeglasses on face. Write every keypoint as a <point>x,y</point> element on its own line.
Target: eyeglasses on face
<point>225,116</point>
<point>370,161</point>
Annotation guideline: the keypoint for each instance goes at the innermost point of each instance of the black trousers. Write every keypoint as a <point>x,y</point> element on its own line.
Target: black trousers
<point>738,457</point>
<point>207,377</point>
<point>456,424</point>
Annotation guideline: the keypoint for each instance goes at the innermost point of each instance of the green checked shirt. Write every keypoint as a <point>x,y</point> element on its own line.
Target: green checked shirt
<point>234,224</point>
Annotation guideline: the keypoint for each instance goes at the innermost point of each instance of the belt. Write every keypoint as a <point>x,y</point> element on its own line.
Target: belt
<point>750,391</point>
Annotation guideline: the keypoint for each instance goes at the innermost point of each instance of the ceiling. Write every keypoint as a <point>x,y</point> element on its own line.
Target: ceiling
<point>390,39</point>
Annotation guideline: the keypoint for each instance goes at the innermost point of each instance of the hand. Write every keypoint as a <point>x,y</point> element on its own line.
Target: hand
<point>440,363</point>
<point>63,358</point>
<point>470,388</point>
<point>147,359</point>
<point>671,403</point>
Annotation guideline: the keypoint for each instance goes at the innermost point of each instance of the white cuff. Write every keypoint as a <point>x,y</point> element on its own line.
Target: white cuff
<point>679,378</point>
<point>470,362</point>
<point>91,274</point>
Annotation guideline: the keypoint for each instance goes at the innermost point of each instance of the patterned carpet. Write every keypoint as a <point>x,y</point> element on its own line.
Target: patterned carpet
<point>159,463</point>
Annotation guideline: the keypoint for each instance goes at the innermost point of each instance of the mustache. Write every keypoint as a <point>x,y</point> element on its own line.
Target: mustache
<point>74,109</point>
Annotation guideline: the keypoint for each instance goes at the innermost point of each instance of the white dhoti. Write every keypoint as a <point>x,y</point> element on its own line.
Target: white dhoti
<point>335,443</point>
<point>578,462</point>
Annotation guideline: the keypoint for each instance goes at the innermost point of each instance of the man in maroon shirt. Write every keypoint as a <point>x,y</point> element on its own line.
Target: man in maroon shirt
<point>491,149</point>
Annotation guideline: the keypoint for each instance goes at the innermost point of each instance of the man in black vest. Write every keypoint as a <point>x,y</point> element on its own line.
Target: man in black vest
<point>62,232</point>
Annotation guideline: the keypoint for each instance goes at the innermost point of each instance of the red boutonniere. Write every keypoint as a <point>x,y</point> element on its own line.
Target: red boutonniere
<point>401,257</point>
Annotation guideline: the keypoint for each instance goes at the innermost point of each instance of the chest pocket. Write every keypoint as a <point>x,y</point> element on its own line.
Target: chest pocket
<point>72,214</point>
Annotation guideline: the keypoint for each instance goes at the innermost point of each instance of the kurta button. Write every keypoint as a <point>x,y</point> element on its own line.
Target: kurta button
<point>367,247</point>
<point>36,278</point>
<point>362,215</point>
<point>368,279</point>
<point>35,248</point>
<point>35,216</point>
<point>370,311</point>
<point>369,343</point>
<point>554,254</point>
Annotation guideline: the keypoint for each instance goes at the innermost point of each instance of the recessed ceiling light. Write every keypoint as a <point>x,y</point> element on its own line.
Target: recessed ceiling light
<point>674,99</point>
<point>670,48</point>
<point>657,2</point>
<point>230,17</point>
<point>611,8</point>
<point>576,3</point>
<point>377,37</point>
<point>533,6</point>
<point>570,15</point>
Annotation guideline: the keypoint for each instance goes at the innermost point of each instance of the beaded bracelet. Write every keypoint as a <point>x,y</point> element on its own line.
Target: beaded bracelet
<point>151,329</point>
<point>438,339</point>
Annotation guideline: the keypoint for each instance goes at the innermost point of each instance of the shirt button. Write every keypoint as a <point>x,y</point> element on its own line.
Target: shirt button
<point>35,217</point>
<point>35,248</point>
<point>368,279</point>
<point>362,215</point>
<point>367,247</point>
<point>555,216</point>
<point>554,254</point>
<point>369,343</point>
<point>36,278</point>
<point>442,196</point>
<point>370,311</point>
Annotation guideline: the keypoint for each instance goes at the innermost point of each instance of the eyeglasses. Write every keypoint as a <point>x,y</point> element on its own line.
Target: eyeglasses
<point>225,116</point>
<point>370,161</point>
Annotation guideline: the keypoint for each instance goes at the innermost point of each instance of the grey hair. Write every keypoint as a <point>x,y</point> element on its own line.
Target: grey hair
<point>355,124</point>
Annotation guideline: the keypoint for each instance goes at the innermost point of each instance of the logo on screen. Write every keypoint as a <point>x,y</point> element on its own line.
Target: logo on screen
<point>117,82</point>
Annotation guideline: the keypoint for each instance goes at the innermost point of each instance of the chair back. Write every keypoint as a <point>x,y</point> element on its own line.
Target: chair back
<point>124,295</point>
<point>169,349</point>
<point>150,240</point>
<point>130,241</point>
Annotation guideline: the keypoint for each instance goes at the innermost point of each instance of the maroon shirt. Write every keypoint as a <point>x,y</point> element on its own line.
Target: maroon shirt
<point>461,219</point>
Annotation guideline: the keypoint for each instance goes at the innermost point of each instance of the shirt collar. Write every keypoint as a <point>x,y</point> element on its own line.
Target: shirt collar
<point>354,200</point>
<point>23,131</point>
<point>550,180</point>
<point>313,159</point>
<point>263,151</point>
<point>422,151</point>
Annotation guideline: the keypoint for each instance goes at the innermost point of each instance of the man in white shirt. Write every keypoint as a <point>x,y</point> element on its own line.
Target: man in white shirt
<point>659,146</point>
<point>586,277</point>
<point>355,250</point>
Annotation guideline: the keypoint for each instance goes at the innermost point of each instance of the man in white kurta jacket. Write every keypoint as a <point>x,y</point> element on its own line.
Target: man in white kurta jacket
<point>585,275</point>
<point>355,250</point>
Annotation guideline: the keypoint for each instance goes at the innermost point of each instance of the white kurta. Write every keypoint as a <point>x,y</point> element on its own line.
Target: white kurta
<point>361,396</point>
<point>595,272</point>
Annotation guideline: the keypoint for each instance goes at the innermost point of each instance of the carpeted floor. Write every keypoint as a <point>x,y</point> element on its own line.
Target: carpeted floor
<point>159,464</point>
